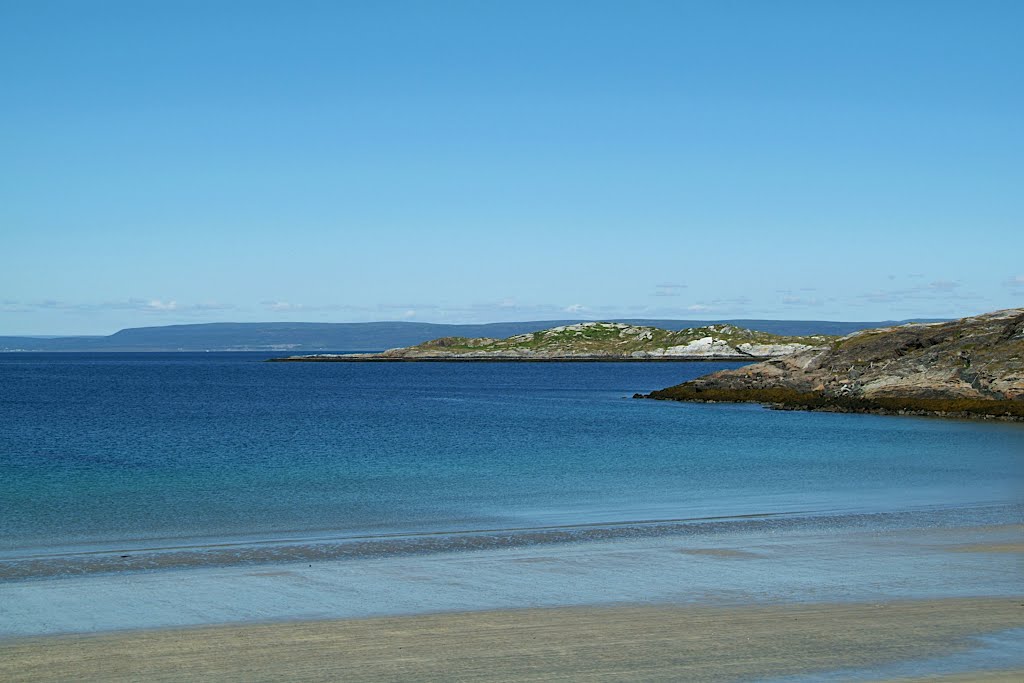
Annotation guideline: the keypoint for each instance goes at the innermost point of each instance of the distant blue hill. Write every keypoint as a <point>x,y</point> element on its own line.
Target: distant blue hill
<point>362,336</point>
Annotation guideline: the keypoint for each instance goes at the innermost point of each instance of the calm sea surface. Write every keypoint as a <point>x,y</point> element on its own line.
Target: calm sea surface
<point>165,452</point>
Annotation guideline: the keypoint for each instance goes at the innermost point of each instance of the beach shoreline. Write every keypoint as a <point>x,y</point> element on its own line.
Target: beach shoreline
<point>868,641</point>
<point>855,603</point>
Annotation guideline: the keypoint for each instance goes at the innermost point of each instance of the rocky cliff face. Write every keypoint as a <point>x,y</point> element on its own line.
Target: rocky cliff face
<point>604,341</point>
<point>972,366</point>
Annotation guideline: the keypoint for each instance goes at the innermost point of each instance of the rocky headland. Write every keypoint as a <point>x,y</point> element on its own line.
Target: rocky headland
<point>598,341</point>
<point>972,367</point>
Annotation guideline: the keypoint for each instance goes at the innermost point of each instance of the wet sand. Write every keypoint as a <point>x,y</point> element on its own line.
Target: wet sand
<point>792,606</point>
<point>990,548</point>
<point>650,643</point>
<point>1009,676</point>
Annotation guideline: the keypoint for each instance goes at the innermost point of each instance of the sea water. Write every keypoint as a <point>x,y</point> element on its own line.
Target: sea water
<point>184,459</point>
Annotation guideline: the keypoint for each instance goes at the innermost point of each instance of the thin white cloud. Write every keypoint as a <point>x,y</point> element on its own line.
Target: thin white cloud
<point>159,306</point>
<point>406,306</point>
<point>389,311</point>
<point>9,306</point>
<point>800,301</point>
<point>282,306</point>
<point>133,304</point>
<point>167,306</point>
<point>937,290</point>
<point>213,306</point>
<point>668,289</point>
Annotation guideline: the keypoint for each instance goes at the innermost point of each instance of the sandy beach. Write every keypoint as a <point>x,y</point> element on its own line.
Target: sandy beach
<point>913,604</point>
<point>580,644</point>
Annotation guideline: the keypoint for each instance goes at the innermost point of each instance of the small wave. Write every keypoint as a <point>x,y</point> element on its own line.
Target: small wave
<point>282,551</point>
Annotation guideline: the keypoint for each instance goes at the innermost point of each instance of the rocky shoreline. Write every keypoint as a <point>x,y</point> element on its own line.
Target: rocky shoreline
<point>968,368</point>
<point>1010,411</point>
<point>353,358</point>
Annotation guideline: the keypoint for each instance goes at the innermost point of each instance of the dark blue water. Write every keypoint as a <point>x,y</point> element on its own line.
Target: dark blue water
<point>152,450</point>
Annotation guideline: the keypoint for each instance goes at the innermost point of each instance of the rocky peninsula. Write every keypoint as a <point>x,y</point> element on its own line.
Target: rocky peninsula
<point>972,367</point>
<point>598,341</point>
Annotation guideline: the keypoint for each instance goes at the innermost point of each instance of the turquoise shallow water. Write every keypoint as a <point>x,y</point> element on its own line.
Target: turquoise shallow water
<point>192,451</point>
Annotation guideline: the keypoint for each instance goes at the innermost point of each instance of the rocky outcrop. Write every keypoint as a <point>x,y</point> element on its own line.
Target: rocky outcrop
<point>599,341</point>
<point>968,367</point>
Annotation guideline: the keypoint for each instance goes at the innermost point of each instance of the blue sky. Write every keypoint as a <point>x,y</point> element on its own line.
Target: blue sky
<point>168,162</point>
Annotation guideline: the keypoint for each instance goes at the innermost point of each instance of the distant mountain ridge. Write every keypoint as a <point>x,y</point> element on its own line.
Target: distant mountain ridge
<point>371,336</point>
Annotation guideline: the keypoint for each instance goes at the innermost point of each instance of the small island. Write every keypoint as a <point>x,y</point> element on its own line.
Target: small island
<point>597,341</point>
<point>972,367</point>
